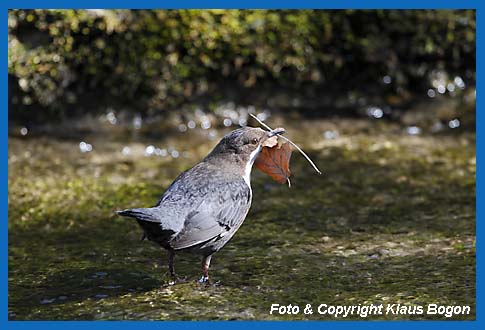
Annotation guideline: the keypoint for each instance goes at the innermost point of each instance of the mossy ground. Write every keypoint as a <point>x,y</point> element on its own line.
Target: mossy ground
<point>391,220</point>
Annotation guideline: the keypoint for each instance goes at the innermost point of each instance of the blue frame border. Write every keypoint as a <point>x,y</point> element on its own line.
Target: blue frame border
<point>235,4</point>
<point>248,4</point>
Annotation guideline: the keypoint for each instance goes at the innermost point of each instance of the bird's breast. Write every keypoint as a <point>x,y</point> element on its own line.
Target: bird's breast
<point>249,166</point>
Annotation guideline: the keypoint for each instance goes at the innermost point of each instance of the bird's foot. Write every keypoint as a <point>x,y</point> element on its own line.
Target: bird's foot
<point>205,280</point>
<point>177,280</point>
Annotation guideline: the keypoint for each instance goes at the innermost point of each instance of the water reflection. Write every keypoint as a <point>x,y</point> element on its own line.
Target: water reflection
<point>442,83</point>
<point>450,87</point>
<point>111,117</point>
<point>161,152</point>
<point>126,150</point>
<point>431,93</point>
<point>182,128</point>
<point>227,122</point>
<point>191,124</point>
<point>459,82</point>
<point>205,123</point>
<point>330,135</point>
<point>239,115</point>
<point>149,150</point>
<point>85,147</point>
<point>137,122</point>
<point>413,130</point>
<point>375,112</point>
<point>455,123</point>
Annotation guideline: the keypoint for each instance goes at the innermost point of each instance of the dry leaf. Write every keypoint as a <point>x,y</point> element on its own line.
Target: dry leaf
<point>275,162</point>
<point>291,142</point>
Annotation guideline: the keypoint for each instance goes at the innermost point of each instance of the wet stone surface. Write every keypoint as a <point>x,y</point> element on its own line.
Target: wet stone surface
<point>391,220</point>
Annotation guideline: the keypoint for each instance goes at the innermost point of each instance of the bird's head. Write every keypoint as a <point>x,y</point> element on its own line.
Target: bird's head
<point>243,145</point>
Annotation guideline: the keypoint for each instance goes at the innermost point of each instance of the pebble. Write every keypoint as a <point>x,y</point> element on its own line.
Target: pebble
<point>100,273</point>
<point>47,301</point>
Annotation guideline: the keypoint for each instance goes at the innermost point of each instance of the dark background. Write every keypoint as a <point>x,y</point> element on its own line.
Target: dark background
<point>64,64</point>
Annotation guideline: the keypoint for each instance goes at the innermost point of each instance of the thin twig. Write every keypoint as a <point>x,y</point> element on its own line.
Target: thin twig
<point>261,122</point>
<point>291,142</point>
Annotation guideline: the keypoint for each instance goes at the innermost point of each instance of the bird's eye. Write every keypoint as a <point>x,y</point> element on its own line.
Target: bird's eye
<point>254,141</point>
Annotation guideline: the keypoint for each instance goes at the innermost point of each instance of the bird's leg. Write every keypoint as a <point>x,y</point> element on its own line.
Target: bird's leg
<point>205,269</point>
<point>174,279</point>
<point>171,268</point>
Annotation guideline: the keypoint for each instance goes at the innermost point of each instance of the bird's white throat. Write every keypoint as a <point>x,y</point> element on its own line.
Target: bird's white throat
<point>249,166</point>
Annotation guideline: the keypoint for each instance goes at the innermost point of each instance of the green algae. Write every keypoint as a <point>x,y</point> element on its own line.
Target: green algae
<point>391,220</point>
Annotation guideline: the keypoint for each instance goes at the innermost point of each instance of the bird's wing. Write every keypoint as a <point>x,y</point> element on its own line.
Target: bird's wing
<point>232,203</point>
<point>198,228</point>
<point>224,207</point>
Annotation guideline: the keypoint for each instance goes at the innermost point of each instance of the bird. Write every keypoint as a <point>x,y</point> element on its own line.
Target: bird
<point>205,206</point>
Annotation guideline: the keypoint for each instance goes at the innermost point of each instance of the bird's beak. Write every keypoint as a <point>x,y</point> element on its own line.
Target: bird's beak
<point>272,137</point>
<point>276,131</point>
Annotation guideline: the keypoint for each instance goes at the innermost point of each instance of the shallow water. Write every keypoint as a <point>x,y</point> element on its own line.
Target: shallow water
<point>391,220</point>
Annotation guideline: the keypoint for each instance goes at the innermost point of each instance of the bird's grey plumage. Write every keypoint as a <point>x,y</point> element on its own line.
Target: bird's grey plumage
<point>205,205</point>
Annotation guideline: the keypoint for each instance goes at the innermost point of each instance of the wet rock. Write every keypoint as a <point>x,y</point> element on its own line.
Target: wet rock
<point>47,301</point>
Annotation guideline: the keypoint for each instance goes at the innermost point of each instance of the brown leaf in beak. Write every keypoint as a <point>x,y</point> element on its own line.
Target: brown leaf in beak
<point>275,162</point>
<point>270,142</point>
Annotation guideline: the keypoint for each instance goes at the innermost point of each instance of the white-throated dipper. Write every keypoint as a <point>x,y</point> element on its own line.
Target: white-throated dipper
<point>205,205</point>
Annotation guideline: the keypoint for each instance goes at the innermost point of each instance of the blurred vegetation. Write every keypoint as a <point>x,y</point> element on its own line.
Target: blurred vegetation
<point>65,62</point>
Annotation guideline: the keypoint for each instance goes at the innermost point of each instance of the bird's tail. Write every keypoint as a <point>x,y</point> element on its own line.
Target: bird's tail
<point>143,214</point>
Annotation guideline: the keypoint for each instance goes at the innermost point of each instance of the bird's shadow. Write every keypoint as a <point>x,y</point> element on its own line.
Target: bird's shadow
<point>77,285</point>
